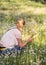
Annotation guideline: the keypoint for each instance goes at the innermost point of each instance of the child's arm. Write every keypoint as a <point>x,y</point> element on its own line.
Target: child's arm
<point>25,43</point>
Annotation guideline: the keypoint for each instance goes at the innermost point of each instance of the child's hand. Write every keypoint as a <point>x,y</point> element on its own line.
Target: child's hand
<point>30,39</point>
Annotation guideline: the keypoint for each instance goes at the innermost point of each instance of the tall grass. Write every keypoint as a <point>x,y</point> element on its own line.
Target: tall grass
<point>35,52</point>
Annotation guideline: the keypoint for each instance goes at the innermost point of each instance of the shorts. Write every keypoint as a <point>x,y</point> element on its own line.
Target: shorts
<point>10,51</point>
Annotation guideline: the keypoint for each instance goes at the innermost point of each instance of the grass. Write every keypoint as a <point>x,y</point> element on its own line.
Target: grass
<point>18,4</point>
<point>35,52</point>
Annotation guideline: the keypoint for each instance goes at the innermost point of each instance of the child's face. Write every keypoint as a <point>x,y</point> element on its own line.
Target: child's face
<point>20,23</point>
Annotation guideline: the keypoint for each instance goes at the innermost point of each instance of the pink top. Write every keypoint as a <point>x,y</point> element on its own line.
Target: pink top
<point>9,38</point>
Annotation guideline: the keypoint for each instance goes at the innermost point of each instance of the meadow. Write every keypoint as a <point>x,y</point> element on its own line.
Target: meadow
<point>34,13</point>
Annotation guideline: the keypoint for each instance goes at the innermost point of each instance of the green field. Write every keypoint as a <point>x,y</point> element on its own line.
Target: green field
<point>34,14</point>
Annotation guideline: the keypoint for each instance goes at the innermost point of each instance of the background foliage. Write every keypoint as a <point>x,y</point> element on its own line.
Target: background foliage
<point>34,13</point>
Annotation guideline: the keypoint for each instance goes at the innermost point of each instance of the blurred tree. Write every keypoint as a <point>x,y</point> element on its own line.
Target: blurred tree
<point>5,0</point>
<point>42,1</point>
